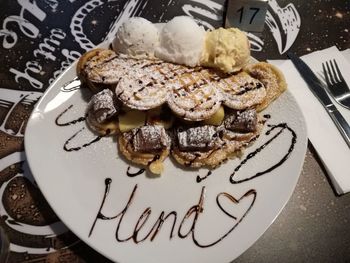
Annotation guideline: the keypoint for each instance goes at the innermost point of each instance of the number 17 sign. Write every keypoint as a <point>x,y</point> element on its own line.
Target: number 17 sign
<point>248,15</point>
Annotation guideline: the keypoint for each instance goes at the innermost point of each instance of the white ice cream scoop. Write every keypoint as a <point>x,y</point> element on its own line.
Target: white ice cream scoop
<point>136,37</point>
<point>181,41</point>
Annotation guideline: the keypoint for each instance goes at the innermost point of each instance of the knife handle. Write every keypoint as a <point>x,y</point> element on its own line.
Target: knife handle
<point>341,123</point>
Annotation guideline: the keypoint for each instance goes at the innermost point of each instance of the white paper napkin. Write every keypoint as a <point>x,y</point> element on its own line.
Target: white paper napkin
<point>323,134</point>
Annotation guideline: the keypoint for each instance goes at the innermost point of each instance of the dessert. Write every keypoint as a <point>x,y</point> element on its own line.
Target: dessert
<point>181,41</point>
<point>102,111</point>
<point>194,96</point>
<point>131,119</point>
<point>226,49</point>
<point>201,116</point>
<point>148,145</point>
<point>241,91</point>
<point>271,77</point>
<point>136,37</point>
<point>88,63</point>
<point>210,146</point>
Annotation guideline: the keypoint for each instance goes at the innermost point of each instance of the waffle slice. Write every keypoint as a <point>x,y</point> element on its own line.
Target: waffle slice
<point>241,128</point>
<point>271,77</point>
<point>148,146</point>
<point>198,146</point>
<point>110,71</point>
<point>88,62</point>
<point>92,58</point>
<point>194,96</point>
<point>103,68</point>
<point>145,88</point>
<point>241,91</point>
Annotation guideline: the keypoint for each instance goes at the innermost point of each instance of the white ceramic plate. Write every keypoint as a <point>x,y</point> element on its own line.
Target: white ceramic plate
<point>213,220</point>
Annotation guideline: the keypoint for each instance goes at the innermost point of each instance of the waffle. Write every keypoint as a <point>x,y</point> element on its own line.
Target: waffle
<point>111,70</point>
<point>144,89</point>
<point>88,62</point>
<point>198,146</point>
<point>194,96</point>
<point>237,138</point>
<point>198,133</point>
<point>241,91</point>
<point>271,77</point>
<point>148,146</point>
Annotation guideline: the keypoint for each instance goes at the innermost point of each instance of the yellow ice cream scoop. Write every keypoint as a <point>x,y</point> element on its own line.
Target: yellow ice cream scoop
<point>226,49</point>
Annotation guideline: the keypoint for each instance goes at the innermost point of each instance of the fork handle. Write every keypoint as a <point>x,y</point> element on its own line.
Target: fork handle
<point>341,123</point>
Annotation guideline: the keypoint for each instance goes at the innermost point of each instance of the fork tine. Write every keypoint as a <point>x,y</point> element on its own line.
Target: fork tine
<point>326,75</point>
<point>331,79</point>
<point>338,70</point>
<point>335,75</point>
<point>336,85</point>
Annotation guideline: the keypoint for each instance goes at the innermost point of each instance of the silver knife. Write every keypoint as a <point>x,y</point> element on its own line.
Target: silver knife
<point>317,89</point>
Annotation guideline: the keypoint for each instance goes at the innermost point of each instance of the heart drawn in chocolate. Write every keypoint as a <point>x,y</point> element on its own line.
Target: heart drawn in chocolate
<point>234,208</point>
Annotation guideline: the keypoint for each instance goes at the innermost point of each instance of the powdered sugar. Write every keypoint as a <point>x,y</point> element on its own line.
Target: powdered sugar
<point>102,106</point>
<point>196,138</point>
<point>149,138</point>
<point>194,96</point>
<point>241,91</point>
<point>242,121</point>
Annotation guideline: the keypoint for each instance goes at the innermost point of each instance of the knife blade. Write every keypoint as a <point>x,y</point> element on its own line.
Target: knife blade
<point>317,89</point>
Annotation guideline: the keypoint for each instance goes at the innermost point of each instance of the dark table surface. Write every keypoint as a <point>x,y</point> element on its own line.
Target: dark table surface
<point>314,225</point>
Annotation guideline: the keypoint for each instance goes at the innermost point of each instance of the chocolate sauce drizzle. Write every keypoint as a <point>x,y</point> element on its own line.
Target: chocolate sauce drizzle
<point>70,122</point>
<point>65,146</point>
<point>247,88</point>
<point>71,85</point>
<point>200,179</point>
<point>81,119</point>
<point>196,155</point>
<point>283,127</point>
<point>128,173</point>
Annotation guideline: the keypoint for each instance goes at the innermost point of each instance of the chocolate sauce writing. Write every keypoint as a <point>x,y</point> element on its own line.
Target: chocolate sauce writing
<point>194,213</point>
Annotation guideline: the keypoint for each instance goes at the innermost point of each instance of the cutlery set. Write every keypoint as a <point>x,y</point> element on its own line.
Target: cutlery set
<point>335,87</point>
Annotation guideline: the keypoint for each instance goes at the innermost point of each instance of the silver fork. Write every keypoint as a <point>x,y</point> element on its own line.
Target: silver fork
<point>336,84</point>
